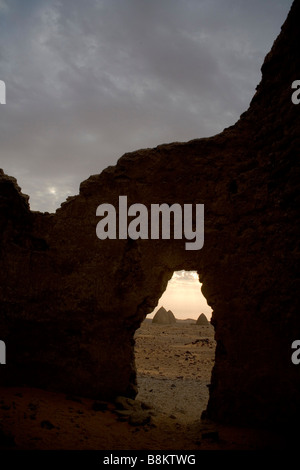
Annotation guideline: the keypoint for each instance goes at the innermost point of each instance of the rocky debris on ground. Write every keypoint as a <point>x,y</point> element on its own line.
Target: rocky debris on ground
<point>138,413</point>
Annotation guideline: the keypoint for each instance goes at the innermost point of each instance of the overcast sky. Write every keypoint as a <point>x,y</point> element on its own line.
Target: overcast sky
<point>90,80</point>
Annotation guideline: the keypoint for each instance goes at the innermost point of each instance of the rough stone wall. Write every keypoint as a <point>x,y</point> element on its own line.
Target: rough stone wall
<point>70,303</point>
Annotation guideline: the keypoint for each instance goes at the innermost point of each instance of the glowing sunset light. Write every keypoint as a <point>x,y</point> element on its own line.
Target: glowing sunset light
<point>184,297</point>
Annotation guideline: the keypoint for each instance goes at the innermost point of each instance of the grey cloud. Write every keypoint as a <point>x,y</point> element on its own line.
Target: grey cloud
<point>89,81</point>
<point>185,277</point>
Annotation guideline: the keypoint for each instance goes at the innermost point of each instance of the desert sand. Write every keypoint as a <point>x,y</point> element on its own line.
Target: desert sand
<point>174,366</point>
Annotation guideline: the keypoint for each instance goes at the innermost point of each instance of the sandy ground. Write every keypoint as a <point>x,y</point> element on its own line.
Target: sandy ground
<point>174,367</point>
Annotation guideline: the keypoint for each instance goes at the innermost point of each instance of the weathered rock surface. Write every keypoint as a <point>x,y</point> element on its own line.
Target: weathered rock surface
<point>70,303</point>
<point>164,317</point>
<point>137,413</point>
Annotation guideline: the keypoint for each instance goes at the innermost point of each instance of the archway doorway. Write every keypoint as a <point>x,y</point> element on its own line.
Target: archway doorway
<point>174,361</point>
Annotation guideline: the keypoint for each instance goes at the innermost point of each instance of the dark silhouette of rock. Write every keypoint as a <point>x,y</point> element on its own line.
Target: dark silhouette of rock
<point>71,303</point>
<point>164,317</point>
<point>202,320</point>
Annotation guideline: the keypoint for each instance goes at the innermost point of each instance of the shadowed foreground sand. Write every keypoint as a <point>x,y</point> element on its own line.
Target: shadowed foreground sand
<point>174,366</point>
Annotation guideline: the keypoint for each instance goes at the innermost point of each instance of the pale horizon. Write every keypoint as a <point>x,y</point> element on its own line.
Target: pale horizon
<point>183,297</point>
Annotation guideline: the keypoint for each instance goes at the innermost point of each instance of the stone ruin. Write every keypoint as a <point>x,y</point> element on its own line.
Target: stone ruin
<point>71,303</point>
<point>164,317</point>
<point>202,320</point>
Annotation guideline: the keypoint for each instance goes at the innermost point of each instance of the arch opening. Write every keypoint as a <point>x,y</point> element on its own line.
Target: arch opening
<point>174,361</point>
